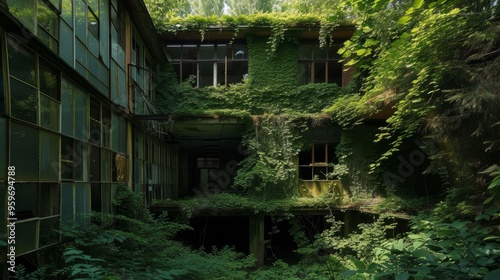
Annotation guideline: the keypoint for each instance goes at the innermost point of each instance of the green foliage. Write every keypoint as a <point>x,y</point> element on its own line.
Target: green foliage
<point>457,250</point>
<point>360,244</point>
<point>355,152</point>
<point>269,170</point>
<point>232,202</point>
<point>144,249</point>
<point>273,63</point>
<point>251,7</point>
<point>128,203</point>
<point>80,265</point>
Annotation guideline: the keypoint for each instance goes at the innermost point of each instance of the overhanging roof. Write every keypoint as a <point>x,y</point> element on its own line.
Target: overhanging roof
<point>207,134</point>
<point>224,33</point>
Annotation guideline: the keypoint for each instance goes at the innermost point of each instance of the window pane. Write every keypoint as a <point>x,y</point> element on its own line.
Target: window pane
<point>67,158</point>
<point>81,117</point>
<point>305,73</point>
<point>236,71</point>
<point>206,75</point>
<point>105,165</point>
<point>95,166</point>
<point>67,202</point>
<point>120,168</point>
<point>221,51</point>
<point>335,72</point>
<point>189,52</point>
<point>67,106</point>
<point>95,132</point>
<point>93,45</point>
<point>96,203</point>
<point>56,3</point>
<point>106,198</point>
<point>26,200</point>
<point>305,52</point>
<point>48,19</point>
<point>26,233</point>
<point>67,12</point>
<point>49,113</point>
<point>81,202</point>
<point>81,161</point>
<point>24,152</point>
<point>24,10</point>
<point>81,53</point>
<point>240,52</point>
<point>49,200</point>
<point>48,231</point>
<point>81,20</point>
<point>320,53</point>
<point>319,72</point>
<point>49,80</point>
<point>207,52</point>
<point>49,156</point>
<point>22,64</point>
<point>23,101</point>
<point>174,51</point>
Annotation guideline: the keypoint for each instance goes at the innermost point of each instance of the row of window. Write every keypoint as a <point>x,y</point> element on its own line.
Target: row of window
<point>223,64</point>
<point>90,36</point>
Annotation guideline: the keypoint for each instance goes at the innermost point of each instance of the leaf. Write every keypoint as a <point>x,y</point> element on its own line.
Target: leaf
<point>402,276</point>
<point>418,3</point>
<point>421,253</point>
<point>493,275</point>
<point>404,19</point>
<point>361,52</point>
<point>454,11</point>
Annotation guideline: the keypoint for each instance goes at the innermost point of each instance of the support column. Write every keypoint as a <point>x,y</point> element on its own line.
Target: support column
<point>347,223</point>
<point>256,236</point>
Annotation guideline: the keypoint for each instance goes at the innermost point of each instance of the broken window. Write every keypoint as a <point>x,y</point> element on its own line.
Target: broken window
<point>210,64</point>
<point>316,163</point>
<point>319,65</point>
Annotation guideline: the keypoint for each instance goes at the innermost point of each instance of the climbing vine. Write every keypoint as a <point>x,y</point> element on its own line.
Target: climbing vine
<point>269,170</point>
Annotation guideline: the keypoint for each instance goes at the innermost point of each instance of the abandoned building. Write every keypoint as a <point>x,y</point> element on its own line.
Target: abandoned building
<point>78,115</point>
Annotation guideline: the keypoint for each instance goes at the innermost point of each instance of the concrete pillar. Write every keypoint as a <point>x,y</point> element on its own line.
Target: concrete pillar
<point>347,223</point>
<point>256,236</point>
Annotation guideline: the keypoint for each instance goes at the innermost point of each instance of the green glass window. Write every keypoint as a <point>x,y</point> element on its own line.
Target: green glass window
<point>49,195</point>
<point>26,200</point>
<point>24,152</point>
<point>67,13</point>
<point>105,165</point>
<point>67,205</point>
<point>119,135</point>
<point>22,64</point>
<point>49,80</point>
<point>24,11</point>
<point>81,161</point>
<point>81,117</point>
<point>23,101</point>
<point>49,113</point>
<point>95,164</point>
<point>48,25</point>
<point>81,202</point>
<point>67,43</point>
<point>67,106</point>
<point>95,195</point>
<point>49,156</point>
<point>81,20</point>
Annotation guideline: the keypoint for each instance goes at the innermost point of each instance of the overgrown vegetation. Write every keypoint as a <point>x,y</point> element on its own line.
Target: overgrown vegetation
<point>146,248</point>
